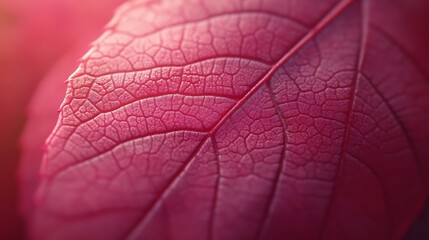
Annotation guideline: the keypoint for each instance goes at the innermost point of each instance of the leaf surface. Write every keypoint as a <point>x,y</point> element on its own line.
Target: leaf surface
<point>232,120</point>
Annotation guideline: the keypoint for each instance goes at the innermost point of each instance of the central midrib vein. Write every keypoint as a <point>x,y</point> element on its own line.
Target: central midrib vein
<point>328,18</point>
<point>337,10</point>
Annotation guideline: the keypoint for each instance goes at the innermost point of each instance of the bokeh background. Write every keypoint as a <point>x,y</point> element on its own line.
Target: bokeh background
<point>35,37</point>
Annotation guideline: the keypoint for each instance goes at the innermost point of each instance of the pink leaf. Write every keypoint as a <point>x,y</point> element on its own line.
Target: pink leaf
<point>242,120</point>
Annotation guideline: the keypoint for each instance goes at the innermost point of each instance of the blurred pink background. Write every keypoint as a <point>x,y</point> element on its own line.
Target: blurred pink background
<point>34,36</point>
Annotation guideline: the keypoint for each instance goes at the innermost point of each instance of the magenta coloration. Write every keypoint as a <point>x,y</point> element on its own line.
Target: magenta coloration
<point>241,120</point>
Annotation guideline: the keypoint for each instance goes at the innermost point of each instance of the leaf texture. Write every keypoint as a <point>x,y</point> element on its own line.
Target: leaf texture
<point>241,120</point>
